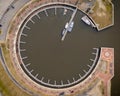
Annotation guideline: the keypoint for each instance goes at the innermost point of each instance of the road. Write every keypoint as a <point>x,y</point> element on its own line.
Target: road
<point>4,4</point>
<point>7,14</point>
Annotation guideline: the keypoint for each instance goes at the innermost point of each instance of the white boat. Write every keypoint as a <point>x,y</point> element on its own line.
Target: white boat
<point>63,32</point>
<point>71,24</point>
<point>88,21</point>
<point>68,27</point>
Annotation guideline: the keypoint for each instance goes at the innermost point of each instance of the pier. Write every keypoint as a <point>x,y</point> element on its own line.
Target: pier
<point>71,20</point>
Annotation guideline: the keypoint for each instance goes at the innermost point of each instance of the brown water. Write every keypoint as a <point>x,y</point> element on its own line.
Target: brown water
<point>68,58</point>
<point>55,59</point>
<point>116,44</point>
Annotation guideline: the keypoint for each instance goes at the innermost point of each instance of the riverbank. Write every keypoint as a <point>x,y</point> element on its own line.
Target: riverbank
<point>102,14</point>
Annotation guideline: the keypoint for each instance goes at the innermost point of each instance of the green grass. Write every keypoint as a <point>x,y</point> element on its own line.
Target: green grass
<point>3,81</point>
<point>7,87</point>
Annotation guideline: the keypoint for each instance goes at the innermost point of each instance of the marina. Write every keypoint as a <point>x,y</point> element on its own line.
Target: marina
<point>79,51</point>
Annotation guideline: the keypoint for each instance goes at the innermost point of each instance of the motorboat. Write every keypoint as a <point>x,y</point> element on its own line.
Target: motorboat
<point>68,27</point>
<point>88,21</point>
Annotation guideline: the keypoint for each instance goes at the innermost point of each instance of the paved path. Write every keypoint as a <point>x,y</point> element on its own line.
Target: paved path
<point>8,15</point>
<point>4,4</point>
<point>1,94</point>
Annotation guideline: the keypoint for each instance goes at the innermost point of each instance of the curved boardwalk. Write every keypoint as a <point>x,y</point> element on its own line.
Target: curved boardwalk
<point>34,87</point>
<point>26,62</point>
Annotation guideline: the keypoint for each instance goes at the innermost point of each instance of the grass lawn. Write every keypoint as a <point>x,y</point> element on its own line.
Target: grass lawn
<point>102,13</point>
<point>7,87</point>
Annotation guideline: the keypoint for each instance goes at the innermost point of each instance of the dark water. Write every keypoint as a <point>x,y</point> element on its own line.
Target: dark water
<point>116,44</point>
<point>55,59</point>
<point>68,58</point>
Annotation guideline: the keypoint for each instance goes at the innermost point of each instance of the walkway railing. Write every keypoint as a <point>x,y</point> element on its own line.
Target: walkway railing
<point>62,83</point>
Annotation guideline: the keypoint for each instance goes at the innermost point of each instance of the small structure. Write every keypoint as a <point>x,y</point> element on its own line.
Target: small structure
<point>65,11</point>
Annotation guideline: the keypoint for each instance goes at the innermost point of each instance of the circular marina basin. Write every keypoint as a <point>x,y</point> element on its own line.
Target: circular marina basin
<point>45,58</point>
